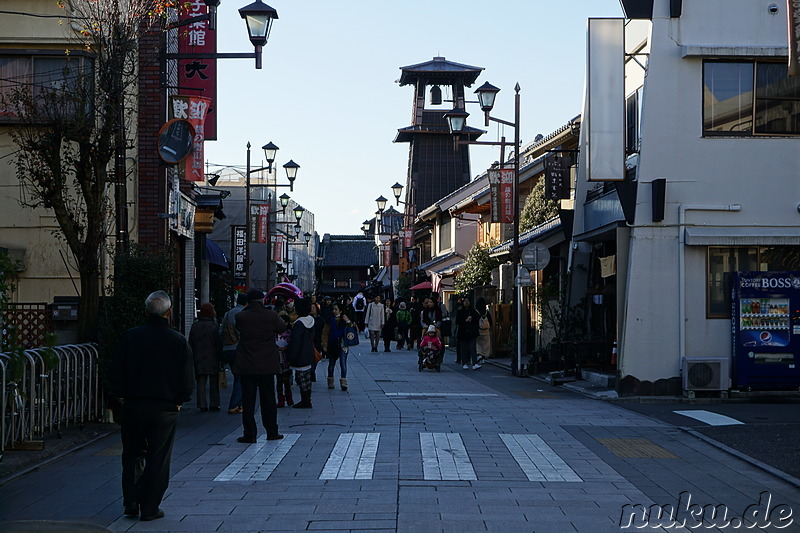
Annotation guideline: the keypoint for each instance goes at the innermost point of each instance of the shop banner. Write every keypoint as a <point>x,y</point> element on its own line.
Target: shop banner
<point>507,195</point>
<point>198,74</point>
<point>494,189</point>
<point>259,228</point>
<point>557,179</point>
<point>408,238</point>
<point>239,251</point>
<point>794,37</point>
<point>278,250</point>
<point>192,109</point>
<point>387,254</point>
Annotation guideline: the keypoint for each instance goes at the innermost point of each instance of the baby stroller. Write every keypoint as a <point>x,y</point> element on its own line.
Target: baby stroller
<point>430,358</point>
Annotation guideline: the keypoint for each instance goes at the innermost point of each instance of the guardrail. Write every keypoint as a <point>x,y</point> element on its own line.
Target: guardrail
<point>45,399</point>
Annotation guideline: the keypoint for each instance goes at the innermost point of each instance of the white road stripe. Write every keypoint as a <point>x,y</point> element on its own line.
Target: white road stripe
<point>439,394</point>
<point>259,460</point>
<point>712,419</point>
<point>353,457</point>
<point>444,457</point>
<point>537,460</point>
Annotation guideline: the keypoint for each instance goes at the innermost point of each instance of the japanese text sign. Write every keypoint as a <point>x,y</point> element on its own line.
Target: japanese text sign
<point>239,251</point>
<point>192,109</point>
<point>199,74</point>
<point>507,195</point>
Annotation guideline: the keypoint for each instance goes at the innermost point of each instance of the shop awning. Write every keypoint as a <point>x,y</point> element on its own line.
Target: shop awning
<point>421,286</point>
<point>215,255</point>
<point>742,236</point>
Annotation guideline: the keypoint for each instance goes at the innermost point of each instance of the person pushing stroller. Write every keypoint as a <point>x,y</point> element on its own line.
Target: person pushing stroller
<point>431,350</point>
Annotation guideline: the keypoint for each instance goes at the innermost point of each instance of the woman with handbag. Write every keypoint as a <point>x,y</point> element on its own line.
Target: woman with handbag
<point>338,323</point>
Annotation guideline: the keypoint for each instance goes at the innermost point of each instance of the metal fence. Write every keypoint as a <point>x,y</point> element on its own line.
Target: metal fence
<point>38,399</point>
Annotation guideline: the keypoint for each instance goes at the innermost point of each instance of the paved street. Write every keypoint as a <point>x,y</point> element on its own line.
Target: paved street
<point>409,451</point>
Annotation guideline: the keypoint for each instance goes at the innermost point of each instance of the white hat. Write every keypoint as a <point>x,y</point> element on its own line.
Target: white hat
<point>431,329</point>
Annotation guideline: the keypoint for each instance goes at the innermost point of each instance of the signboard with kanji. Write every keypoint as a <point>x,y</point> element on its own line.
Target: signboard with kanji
<point>199,74</point>
<point>259,216</point>
<point>408,238</point>
<point>494,189</point>
<point>238,240</point>
<point>387,254</point>
<point>278,250</point>
<point>557,179</point>
<point>193,109</point>
<point>507,195</point>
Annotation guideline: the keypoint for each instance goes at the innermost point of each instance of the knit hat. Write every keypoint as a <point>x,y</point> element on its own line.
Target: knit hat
<point>431,329</point>
<point>402,305</point>
<point>255,295</point>
<point>207,311</point>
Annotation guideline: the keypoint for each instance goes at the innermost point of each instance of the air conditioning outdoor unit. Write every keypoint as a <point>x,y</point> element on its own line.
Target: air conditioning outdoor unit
<point>706,373</point>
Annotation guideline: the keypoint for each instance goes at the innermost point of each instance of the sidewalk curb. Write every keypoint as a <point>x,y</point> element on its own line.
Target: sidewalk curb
<point>744,457</point>
<point>53,458</point>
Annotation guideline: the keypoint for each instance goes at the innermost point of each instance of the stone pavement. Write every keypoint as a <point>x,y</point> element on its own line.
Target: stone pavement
<point>413,451</point>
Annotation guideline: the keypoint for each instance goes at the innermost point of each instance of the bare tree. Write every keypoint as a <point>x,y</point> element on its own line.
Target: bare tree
<point>74,122</point>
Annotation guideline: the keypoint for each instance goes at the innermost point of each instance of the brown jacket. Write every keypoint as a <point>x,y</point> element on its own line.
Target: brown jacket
<point>257,353</point>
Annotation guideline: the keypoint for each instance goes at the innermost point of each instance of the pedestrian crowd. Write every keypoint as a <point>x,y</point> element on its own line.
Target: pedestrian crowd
<point>265,343</point>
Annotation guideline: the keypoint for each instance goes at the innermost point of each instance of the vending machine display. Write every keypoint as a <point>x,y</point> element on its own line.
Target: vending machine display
<point>766,330</point>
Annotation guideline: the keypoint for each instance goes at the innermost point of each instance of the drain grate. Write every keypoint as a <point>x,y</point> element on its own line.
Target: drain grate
<point>637,448</point>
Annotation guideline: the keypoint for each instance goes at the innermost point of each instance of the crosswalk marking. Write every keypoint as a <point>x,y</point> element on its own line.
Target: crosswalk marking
<point>444,457</point>
<point>259,460</point>
<point>439,394</point>
<point>538,460</point>
<point>353,457</point>
<point>712,419</point>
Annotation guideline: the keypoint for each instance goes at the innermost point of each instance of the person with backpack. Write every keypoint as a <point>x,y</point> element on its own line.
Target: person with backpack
<point>360,307</point>
<point>230,340</point>
<point>403,323</point>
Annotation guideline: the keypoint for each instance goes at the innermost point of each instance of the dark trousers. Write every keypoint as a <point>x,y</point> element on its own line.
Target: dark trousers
<point>264,385</point>
<point>467,351</point>
<point>148,432</point>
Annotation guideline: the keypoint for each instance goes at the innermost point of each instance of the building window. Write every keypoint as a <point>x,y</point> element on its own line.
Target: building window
<point>724,261</point>
<point>445,228</point>
<point>633,113</point>
<point>42,75</point>
<point>745,98</point>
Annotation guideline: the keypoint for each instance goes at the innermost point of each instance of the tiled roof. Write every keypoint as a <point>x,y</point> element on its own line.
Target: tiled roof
<point>529,236</point>
<point>348,250</point>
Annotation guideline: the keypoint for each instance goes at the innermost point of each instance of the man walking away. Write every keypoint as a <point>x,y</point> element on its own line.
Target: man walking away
<point>403,323</point>
<point>375,319</point>
<point>152,373</point>
<point>206,346</point>
<point>230,341</point>
<point>300,352</point>
<point>257,362</point>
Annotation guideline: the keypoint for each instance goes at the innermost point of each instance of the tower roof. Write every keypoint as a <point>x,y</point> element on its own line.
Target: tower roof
<point>441,69</point>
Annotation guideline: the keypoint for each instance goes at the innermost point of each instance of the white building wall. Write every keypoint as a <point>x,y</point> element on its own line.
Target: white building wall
<point>760,174</point>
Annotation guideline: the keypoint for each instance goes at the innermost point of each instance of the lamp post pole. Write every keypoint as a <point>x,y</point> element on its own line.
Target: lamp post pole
<point>247,221</point>
<point>516,254</point>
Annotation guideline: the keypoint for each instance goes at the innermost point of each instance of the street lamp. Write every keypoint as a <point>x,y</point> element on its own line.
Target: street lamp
<point>291,173</point>
<point>365,227</point>
<point>381,201</point>
<point>456,120</point>
<point>298,213</point>
<point>284,199</point>
<point>258,17</point>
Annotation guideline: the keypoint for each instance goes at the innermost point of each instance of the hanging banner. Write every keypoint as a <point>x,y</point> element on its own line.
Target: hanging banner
<point>239,252</point>
<point>259,228</point>
<point>387,254</point>
<point>507,195</point>
<point>278,250</point>
<point>408,238</point>
<point>198,74</point>
<point>794,37</point>
<point>494,189</point>
<point>193,109</point>
<point>557,179</point>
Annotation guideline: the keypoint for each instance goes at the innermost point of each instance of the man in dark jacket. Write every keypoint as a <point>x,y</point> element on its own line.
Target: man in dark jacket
<point>152,374</point>
<point>467,322</point>
<point>257,363</point>
<point>300,352</point>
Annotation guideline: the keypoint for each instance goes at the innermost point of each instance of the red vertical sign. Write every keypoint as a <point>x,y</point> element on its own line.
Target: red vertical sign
<point>278,252</point>
<point>408,238</point>
<point>263,221</point>
<point>192,109</point>
<point>507,196</point>
<point>387,254</point>
<point>199,74</point>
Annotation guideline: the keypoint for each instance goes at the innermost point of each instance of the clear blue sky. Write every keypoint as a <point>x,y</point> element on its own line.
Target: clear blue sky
<point>327,94</point>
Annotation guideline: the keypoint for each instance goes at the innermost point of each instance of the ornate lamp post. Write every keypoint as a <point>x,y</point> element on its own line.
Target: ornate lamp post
<point>457,119</point>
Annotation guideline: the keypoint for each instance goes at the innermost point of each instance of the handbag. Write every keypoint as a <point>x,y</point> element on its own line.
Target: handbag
<point>350,336</point>
<point>317,355</point>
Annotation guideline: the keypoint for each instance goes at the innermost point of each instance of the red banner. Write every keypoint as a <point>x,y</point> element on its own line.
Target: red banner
<point>387,254</point>
<point>199,74</point>
<point>263,220</point>
<point>507,195</point>
<point>408,238</point>
<point>192,109</point>
<point>278,251</point>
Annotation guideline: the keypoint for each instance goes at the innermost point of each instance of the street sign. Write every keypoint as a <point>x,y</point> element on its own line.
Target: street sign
<point>535,256</point>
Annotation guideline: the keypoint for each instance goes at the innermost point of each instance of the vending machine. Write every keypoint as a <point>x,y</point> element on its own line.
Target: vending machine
<point>766,330</point>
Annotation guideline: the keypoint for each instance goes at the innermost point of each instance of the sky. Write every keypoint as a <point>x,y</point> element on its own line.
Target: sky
<point>327,94</point>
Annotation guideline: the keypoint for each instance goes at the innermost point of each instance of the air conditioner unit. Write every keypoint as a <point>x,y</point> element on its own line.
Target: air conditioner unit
<point>707,373</point>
